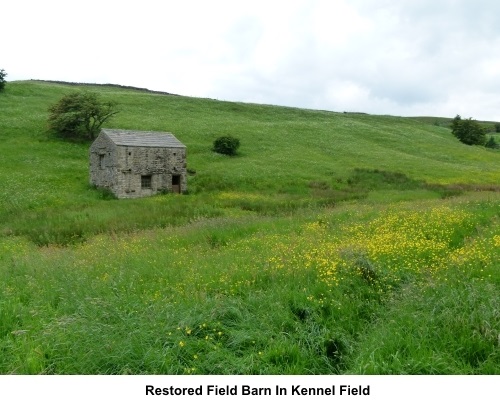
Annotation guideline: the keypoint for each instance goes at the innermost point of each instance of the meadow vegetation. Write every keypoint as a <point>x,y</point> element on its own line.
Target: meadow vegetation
<point>331,244</point>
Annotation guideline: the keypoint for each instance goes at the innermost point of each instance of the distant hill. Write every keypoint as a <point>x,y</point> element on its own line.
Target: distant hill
<point>445,122</point>
<point>119,86</point>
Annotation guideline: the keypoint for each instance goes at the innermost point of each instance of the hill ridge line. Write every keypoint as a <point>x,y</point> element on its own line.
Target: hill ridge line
<point>120,86</point>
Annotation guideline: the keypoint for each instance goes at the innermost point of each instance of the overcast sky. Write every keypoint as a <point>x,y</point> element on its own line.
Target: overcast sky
<point>397,57</point>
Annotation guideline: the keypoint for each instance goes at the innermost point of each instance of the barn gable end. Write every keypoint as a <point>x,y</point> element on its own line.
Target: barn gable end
<point>135,164</point>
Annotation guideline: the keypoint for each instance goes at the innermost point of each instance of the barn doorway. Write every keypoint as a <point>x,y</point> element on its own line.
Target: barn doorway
<point>176,183</point>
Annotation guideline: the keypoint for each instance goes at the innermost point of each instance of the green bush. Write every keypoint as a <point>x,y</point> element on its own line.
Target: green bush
<point>3,74</point>
<point>80,115</point>
<point>226,145</point>
<point>492,143</point>
<point>468,131</point>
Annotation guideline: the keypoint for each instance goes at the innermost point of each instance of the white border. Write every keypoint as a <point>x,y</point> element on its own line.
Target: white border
<point>124,390</point>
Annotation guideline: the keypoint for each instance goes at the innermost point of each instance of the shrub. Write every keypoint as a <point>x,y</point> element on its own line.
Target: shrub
<point>468,131</point>
<point>492,143</point>
<point>226,145</point>
<point>3,74</point>
<point>80,115</point>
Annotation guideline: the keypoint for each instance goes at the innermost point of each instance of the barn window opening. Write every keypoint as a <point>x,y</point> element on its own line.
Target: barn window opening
<point>145,181</point>
<point>101,161</point>
<point>176,183</point>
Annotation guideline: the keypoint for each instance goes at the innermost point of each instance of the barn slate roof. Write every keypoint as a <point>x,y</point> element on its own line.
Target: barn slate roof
<point>125,137</point>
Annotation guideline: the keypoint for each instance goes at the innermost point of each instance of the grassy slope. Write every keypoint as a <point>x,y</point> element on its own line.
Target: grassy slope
<point>193,299</point>
<point>296,145</point>
<point>286,154</point>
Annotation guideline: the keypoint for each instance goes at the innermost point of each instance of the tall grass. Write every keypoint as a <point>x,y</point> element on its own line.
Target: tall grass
<point>305,294</point>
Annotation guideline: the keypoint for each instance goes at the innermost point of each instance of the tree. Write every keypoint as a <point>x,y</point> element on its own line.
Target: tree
<point>468,131</point>
<point>227,145</point>
<point>80,115</point>
<point>3,74</point>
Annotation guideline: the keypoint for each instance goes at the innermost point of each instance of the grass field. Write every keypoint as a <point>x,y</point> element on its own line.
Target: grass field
<point>334,243</point>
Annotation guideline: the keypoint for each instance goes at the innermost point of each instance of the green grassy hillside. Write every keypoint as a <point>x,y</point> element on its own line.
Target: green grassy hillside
<point>333,243</point>
<point>289,158</point>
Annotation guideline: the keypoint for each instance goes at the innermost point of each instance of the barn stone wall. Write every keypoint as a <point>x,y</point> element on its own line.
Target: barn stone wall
<point>102,158</point>
<point>121,168</point>
<point>159,163</point>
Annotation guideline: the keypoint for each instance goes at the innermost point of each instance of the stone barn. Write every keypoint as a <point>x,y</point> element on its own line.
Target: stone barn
<point>135,164</point>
